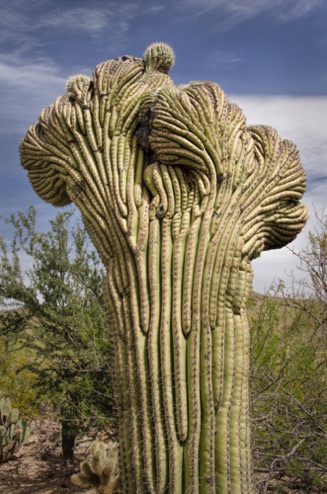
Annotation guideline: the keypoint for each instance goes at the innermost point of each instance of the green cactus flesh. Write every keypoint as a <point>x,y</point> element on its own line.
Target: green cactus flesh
<point>102,472</point>
<point>13,431</point>
<point>178,195</point>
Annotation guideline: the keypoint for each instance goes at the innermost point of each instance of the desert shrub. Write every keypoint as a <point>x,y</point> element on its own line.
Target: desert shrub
<point>288,382</point>
<point>54,311</point>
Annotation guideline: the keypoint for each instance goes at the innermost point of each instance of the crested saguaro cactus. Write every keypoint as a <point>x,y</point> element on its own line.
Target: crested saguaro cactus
<point>178,195</point>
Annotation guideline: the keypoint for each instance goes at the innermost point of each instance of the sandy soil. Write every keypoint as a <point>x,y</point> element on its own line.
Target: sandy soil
<point>38,467</point>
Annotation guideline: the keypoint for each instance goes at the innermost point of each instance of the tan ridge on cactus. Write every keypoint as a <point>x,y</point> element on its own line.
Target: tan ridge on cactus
<point>178,195</point>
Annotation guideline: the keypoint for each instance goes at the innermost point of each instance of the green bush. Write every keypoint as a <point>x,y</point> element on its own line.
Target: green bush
<point>55,313</point>
<point>288,390</point>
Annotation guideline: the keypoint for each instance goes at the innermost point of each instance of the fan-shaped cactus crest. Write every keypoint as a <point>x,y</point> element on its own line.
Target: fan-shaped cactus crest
<point>178,195</point>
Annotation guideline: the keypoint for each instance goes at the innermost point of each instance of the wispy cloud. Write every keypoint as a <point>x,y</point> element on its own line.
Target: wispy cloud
<point>25,26</point>
<point>299,119</point>
<point>302,120</point>
<point>26,86</point>
<point>29,79</point>
<point>16,29</point>
<point>224,58</point>
<point>92,20</point>
<point>155,9</point>
<point>84,19</point>
<point>233,12</point>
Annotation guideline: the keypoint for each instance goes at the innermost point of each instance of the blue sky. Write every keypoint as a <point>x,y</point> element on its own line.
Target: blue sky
<point>269,56</point>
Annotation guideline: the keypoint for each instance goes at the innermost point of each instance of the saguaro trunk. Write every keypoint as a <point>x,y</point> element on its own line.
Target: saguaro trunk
<point>178,195</point>
<point>182,357</point>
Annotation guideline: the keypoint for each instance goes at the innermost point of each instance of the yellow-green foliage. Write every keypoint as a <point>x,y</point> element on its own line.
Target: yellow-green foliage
<point>55,326</point>
<point>15,381</point>
<point>288,389</point>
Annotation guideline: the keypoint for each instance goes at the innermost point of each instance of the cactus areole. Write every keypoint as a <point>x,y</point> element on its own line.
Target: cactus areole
<point>178,195</point>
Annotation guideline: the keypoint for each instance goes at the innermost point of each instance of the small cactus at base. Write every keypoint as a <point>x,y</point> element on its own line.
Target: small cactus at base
<point>102,471</point>
<point>13,431</point>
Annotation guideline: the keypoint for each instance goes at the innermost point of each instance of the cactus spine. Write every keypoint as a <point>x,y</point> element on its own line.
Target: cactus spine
<point>178,195</point>
<point>102,471</point>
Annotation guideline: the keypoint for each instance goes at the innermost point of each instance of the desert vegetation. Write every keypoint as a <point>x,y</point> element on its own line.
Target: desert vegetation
<point>178,195</point>
<point>54,326</point>
<point>56,353</point>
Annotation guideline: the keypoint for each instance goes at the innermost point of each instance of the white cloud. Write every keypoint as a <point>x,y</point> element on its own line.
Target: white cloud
<point>281,264</point>
<point>154,9</point>
<point>236,11</point>
<point>92,20</point>
<point>26,88</point>
<point>22,24</point>
<point>302,120</point>
<point>16,30</point>
<point>30,81</point>
<point>78,19</point>
<point>224,58</point>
